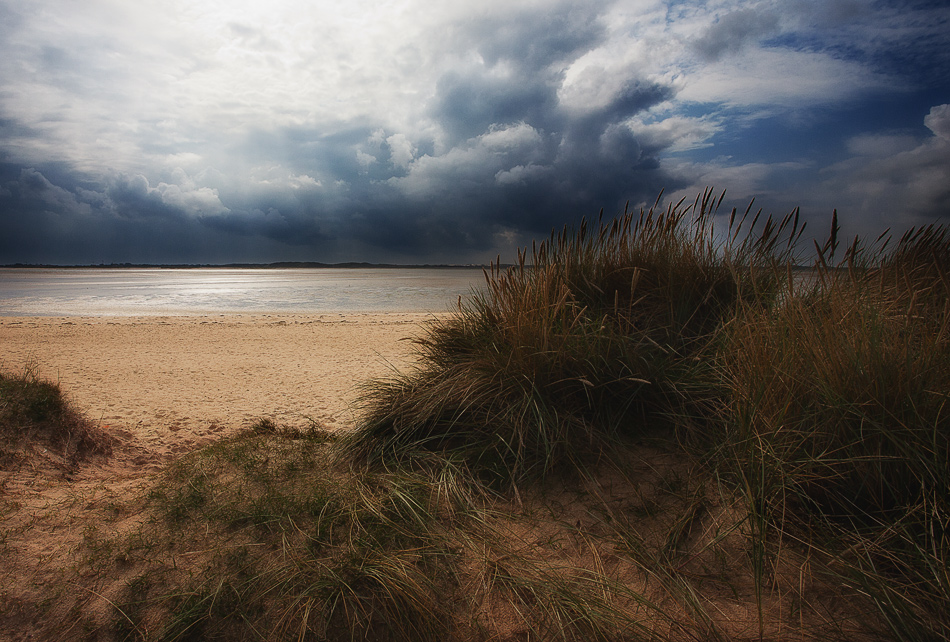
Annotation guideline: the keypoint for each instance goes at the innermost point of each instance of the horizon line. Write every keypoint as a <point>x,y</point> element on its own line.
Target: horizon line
<point>271,265</point>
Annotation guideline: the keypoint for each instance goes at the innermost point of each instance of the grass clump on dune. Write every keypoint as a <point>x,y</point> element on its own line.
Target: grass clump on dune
<point>599,332</point>
<point>818,397</point>
<point>286,544</point>
<point>837,428</point>
<point>35,413</point>
<point>272,535</point>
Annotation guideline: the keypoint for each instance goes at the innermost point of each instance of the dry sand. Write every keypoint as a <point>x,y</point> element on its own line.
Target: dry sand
<point>171,384</point>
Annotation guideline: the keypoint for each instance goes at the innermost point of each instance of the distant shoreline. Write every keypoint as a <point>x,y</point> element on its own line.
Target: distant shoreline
<point>244,266</point>
<point>280,265</point>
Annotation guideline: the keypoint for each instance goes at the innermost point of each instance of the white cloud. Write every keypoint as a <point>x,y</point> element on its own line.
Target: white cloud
<point>638,44</point>
<point>718,54</point>
<point>194,201</point>
<point>674,133</point>
<point>180,194</point>
<point>480,161</point>
<point>889,181</point>
<point>520,174</point>
<point>183,159</point>
<point>892,179</point>
<point>938,121</point>
<point>364,159</point>
<point>880,144</point>
<point>781,78</point>
<point>304,181</point>
<point>504,138</point>
<point>401,150</point>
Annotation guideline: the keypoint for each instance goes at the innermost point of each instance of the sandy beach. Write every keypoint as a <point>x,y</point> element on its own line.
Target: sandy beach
<point>171,384</point>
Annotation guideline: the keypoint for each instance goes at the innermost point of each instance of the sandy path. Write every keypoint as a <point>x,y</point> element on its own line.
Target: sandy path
<point>174,383</point>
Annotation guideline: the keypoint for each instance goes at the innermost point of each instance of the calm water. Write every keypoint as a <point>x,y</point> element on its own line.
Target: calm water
<point>155,291</point>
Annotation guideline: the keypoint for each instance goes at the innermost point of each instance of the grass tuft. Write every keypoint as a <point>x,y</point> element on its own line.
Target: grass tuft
<point>35,414</point>
<point>597,333</point>
<point>818,395</point>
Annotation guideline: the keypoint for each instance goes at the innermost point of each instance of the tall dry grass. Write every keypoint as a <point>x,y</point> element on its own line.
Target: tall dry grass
<point>819,396</point>
<point>598,332</point>
<point>837,423</point>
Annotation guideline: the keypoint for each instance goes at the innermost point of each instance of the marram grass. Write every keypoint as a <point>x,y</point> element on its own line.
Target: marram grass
<point>598,332</point>
<point>819,395</point>
<point>34,411</point>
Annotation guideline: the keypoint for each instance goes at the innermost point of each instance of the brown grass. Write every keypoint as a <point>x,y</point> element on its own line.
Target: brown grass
<point>37,420</point>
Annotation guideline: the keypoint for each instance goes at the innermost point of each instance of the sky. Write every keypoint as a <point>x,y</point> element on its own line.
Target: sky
<point>412,131</point>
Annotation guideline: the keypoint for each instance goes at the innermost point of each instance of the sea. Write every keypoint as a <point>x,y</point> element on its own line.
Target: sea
<point>199,291</point>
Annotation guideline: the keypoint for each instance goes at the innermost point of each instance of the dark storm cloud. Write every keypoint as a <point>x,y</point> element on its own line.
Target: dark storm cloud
<point>522,57</point>
<point>529,164</point>
<point>67,222</point>
<point>466,104</point>
<point>519,160</point>
<point>510,175</point>
<point>511,157</point>
<point>438,132</point>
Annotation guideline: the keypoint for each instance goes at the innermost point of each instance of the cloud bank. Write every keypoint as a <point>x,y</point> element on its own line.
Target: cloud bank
<point>406,132</point>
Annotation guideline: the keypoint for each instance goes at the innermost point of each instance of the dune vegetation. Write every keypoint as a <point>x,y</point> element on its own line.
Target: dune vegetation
<point>655,427</point>
<point>36,419</point>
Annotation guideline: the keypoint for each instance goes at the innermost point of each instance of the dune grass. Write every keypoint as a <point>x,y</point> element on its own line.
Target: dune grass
<point>285,544</point>
<point>837,429</point>
<point>657,427</point>
<point>820,398</point>
<point>274,535</point>
<point>35,412</point>
<point>599,332</point>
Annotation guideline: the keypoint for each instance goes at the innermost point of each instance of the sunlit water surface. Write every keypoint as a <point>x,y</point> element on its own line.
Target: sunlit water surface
<point>160,291</point>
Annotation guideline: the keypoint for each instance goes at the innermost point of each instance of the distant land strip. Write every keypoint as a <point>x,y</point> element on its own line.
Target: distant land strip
<point>280,264</point>
<point>293,264</point>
